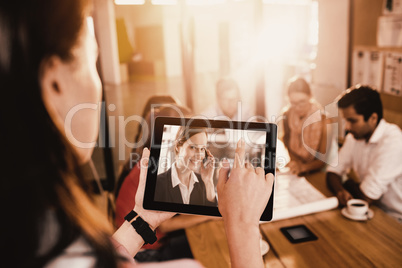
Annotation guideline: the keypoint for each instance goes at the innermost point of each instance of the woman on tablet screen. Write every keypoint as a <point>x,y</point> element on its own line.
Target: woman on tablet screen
<point>181,184</point>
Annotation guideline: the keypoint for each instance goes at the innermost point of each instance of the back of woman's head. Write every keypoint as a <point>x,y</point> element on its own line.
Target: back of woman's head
<point>39,170</point>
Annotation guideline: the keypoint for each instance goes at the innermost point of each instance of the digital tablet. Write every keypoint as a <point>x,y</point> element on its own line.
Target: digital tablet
<point>185,157</point>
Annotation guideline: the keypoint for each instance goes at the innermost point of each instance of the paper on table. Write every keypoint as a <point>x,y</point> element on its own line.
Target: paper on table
<point>305,209</point>
<point>295,196</point>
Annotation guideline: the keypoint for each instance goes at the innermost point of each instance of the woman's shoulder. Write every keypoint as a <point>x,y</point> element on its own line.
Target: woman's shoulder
<point>163,181</point>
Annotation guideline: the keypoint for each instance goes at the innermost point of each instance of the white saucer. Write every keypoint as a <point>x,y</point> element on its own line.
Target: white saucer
<point>264,247</point>
<point>368,216</point>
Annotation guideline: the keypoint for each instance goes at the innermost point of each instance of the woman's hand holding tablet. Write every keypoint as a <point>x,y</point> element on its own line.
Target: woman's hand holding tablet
<point>243,195</point>
<point>153,218</point>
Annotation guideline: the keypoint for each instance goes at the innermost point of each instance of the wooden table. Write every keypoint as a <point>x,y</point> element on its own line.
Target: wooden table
<point>341,242</point>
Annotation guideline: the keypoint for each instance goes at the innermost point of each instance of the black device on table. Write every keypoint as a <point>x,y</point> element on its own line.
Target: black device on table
<point>298,233</point>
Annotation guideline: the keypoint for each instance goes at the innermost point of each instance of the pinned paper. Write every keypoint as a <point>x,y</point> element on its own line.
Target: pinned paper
<point>393,73</point>
<point>392,7</point>
<point>368,67</point>
<point>389,31</point>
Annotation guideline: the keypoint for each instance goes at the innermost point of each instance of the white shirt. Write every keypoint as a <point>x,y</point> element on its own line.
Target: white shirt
<point>185,192</point>
<point>378,163</point>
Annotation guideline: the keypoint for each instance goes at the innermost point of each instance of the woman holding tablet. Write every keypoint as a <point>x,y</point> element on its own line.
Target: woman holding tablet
<point>181,184</point>
<point>47,70</point>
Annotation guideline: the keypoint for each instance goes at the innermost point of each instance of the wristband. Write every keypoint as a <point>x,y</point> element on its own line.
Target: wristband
<point>141,227</point>
<point>130,216</point>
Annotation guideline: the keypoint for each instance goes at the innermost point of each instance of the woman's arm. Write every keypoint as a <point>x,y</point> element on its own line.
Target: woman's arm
<point>207,176</point>
<point>243,197</point>
<point>126,234</point>
<point>316,164</point>
<point>323,149</point>
<point>334,183</point>
<point>299,166</point>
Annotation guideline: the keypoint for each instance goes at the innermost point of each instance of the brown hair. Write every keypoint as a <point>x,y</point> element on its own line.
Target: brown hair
<point>185,133</point>
<point>364,99</point>
<point>41,173</point>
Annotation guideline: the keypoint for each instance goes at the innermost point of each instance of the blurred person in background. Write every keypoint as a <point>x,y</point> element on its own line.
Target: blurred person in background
<point>297,136</point>
<point>229,105</point>
<point>372,149</point>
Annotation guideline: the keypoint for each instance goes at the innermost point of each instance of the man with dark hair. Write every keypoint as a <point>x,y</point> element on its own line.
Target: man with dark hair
<point>373,149</point>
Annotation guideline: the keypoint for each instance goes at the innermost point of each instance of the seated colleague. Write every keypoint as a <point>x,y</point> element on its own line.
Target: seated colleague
<point>180,184</point>
<point>228,98</point>
<point>373,149</point>
<point>296,136</point>
<point>172,242</point>
<point>154,102</point>
<point>57,223</point>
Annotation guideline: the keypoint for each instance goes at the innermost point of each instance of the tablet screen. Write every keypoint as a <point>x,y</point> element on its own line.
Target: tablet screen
<point>185,160</point>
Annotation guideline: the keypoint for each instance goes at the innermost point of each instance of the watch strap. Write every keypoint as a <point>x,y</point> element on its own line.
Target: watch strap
<point>130,216</point>
<point>141,227</point>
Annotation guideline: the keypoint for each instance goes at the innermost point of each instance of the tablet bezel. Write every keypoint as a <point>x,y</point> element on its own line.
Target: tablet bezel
<point>160,122</point>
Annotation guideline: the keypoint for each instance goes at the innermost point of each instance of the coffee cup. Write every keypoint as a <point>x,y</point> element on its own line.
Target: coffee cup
<point>357,207</point>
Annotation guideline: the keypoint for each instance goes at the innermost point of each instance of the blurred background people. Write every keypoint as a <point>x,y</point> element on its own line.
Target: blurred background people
<point>229,105</point>
<point>298,136</point>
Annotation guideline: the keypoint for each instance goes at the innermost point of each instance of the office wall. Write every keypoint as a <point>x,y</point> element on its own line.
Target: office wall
<point>330,74</point>
<point>105,31</point>
<point>364,21</point>
<point>365,17</point>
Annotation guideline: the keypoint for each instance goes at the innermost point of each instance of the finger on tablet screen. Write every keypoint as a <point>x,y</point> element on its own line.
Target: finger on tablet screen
<point>239,154</point>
